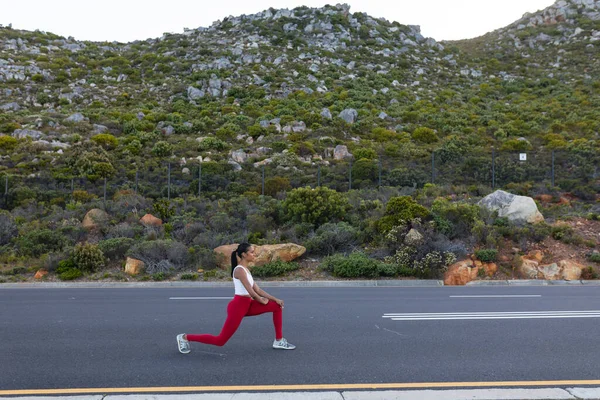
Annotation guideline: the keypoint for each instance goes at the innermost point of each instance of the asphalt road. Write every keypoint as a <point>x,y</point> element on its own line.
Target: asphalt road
<point>125,337</point>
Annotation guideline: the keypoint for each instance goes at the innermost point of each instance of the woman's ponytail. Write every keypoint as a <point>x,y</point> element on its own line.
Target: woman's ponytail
<point>233,261</point>
<point>241,249</point>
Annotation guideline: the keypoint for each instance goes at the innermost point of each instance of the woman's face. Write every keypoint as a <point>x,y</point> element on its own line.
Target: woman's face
<point>249,255</point>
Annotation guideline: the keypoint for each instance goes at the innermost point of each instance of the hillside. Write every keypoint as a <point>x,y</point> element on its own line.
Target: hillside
<point>195,127</point>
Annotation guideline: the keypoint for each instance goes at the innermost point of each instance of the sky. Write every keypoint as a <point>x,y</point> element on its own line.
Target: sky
<point>129,20</point>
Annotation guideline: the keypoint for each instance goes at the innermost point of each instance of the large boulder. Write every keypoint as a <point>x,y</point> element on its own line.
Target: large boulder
<point>460,273</point>
<point>133,266</point>
<point>568,270</point>
<point>263,254</point>
<point>349,115</point>
<point>150,220</point>
<point>464,271</point>
<point>518,209</point>
<point>94,219</point>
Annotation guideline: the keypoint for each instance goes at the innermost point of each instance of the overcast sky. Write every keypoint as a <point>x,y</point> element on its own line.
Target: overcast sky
<point>128,20</point>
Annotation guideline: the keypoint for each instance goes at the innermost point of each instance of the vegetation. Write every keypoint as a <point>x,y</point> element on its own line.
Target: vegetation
<point>334,130</point>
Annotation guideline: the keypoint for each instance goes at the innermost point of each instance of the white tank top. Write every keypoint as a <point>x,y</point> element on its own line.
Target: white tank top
<point>239,286</point>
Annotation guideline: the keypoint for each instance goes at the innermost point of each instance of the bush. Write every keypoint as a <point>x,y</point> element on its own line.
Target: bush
<point>594,257</point>
<point>8,228</point>
<point>67,270</point>
<point>37,242</point>
<point>589,273</point>
<point>455,220</point>
<point>398,211</point>
<point>274,268</point>
<point>106,140</point>
<point>486,255</point>
<point>355,265</point>
<point>115,248</point>
<point>424,135</point>
<point>315,206</point>
<point>160,255</point>
<point>331,238</point>
<point>88,257</point>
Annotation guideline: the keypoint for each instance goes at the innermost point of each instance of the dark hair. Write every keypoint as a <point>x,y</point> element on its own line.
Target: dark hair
<point>241,249</point>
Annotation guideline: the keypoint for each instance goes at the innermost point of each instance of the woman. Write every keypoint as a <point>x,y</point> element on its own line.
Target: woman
<point>249,300</point>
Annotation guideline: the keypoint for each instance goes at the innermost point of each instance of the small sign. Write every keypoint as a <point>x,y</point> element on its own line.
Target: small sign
<point>522,156</point>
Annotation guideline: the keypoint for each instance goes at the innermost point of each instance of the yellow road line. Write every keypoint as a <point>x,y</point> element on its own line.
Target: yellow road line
<point>270,388</point>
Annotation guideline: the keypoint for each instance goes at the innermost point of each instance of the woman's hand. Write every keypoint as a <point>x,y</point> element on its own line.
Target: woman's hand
<point>262,300</point>
<point>280,302</point>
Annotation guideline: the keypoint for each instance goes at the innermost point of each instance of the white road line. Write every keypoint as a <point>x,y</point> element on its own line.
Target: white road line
<point>501,295</point>
<point>493,315</point>
<point>199,298</point>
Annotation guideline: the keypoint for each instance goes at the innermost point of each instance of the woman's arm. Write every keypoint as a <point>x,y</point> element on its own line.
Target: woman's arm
<point>266,295</point>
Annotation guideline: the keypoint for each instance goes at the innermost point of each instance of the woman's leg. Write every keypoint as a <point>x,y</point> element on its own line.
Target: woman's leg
<point>257,308</point>
<point>236,310</point>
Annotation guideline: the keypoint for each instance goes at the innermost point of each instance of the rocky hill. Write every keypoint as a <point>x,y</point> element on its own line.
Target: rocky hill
<point>297,88</point>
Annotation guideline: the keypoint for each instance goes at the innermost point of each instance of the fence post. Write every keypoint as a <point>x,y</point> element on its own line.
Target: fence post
<point>552,168</point>
<point>432,166</point>
<point>72,184</point>
<point>263,179</point>
<point>379,185</point>
<point>350,177</point>
<point>493,168</point>
<point>199,179</point>
<point>319,175</point>
<point>169,183</point>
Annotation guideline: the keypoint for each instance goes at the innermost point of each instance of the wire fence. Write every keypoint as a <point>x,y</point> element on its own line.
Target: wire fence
<point>496,169</point>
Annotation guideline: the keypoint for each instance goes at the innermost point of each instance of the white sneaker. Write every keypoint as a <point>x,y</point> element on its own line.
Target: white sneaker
<point>183,344</point>
<point>283,344</point>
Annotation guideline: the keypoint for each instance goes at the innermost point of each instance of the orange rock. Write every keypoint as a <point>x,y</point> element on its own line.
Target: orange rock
<point>150,220</point>
<point>40,274</point>
<point>490,268</point>
<point>263,254</point>
<point>133,266</point>
<point>571,270</point>
<point>535,255</point>
<point>460,273</point>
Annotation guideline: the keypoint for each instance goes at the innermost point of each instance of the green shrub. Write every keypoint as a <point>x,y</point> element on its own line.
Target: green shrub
<point>355,265</point>
<point>398,211</point>
<point>88,257</point>
<point>70,274</point>
<point>37,242</point>
<point>315,206</point>
<point>594,257</point>
<point>454,219</point>
<point>105,140</point>
<point>486,255</point>
<point>274,268</point>
<point>331,238</point>
<point>424,135</point>
<point>164,209</point>
<point>8,143</point>
<point>189,277</point>
<point>115,248</point>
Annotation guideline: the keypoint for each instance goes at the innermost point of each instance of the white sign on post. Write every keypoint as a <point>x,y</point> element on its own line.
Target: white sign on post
<point>522,156</point>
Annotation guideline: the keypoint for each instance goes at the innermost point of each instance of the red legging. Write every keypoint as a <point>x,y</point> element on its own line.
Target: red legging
<point>237,309</point>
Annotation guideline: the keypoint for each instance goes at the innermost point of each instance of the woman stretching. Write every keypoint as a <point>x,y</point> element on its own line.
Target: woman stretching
<point>249,300</point>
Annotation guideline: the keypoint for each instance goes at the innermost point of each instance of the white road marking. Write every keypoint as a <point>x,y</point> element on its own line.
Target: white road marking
<point>502,295</point>
<point>199,298</point>
<point>492,315</point>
